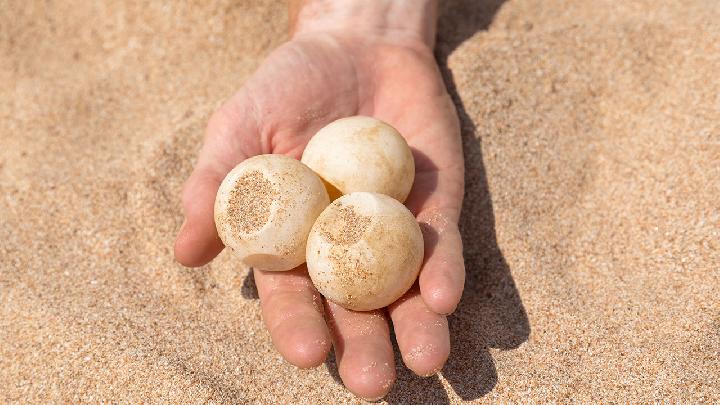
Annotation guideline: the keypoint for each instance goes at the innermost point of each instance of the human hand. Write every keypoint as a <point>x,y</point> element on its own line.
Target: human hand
<point>323,74</point>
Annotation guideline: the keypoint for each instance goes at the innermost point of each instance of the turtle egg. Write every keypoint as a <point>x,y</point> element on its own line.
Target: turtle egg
<point>265,208</point>
<point>364,251</point>
<point>361,154</point>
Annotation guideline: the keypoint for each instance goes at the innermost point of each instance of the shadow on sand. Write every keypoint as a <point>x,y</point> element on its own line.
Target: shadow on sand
<point>491,313</point>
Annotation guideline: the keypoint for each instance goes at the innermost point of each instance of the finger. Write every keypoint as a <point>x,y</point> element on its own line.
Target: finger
<point>436,200</point>
<point>363,350</point>
<point>197,241</point>
<point>443,274</point>
<point>421,333</point>
<point>293,313</point>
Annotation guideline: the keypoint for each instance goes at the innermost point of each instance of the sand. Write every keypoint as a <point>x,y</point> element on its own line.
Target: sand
<point>591,224</point>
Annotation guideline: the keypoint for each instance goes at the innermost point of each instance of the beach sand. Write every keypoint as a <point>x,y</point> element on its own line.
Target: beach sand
<point>591,223</point>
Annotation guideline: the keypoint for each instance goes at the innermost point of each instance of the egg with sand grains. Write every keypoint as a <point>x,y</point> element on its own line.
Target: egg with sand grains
<point>265,208</point>
<point>364,251</point>
<point>361,154</point>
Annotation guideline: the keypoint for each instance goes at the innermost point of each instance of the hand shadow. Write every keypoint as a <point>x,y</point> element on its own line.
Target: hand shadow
<point>491,313</point>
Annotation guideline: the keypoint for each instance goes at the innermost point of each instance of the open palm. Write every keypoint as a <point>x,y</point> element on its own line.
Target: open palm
<point>302,86</point>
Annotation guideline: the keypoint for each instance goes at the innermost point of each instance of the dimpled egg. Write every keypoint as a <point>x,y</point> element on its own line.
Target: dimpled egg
<point>364,251</point>
<point>265,208</point>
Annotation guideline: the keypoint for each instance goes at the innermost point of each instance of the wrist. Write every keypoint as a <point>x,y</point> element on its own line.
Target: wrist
<point>395,20</point>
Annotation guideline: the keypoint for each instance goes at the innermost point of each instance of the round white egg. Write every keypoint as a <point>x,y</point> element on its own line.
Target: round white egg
<point>265,208</point>
<point>362,154</point>
<point>364,251</point>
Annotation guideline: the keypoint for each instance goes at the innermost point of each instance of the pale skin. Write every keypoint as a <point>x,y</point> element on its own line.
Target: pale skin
<point>355,57</point>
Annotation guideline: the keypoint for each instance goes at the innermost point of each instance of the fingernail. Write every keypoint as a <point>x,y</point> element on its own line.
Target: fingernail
<point>182,227</point>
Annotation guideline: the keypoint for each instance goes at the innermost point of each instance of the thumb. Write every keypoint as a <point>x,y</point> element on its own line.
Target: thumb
<point>197,241</point>
<point>227,136</point>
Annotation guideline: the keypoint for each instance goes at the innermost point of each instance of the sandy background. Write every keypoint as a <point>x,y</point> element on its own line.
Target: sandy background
<point>592,221</point>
